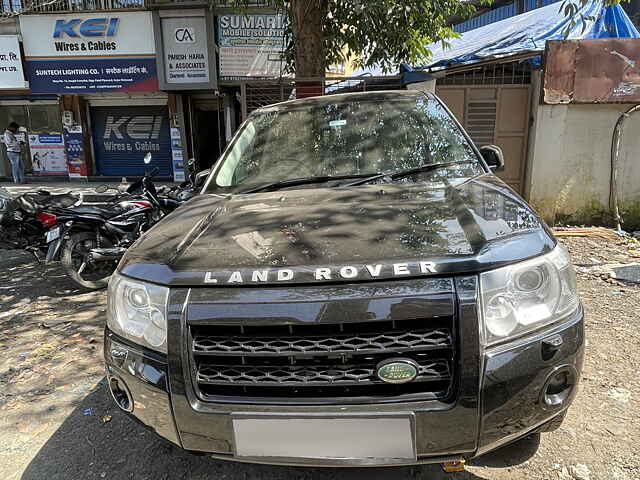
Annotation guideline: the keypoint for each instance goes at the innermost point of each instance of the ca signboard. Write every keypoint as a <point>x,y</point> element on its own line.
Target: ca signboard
<point>11,74</point>
<point>89,52</point>
<point>251,46</point>
<point>187,61</point>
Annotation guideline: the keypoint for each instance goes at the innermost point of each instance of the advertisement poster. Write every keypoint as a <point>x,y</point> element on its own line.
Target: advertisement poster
<point>11,73</point>
<point>251,46</point>
<point>74,142</point>
<point>47,154</point>
<point>177,155</point>
<point>83,53</point>
<point>186,54</point>
<point>122,136</point>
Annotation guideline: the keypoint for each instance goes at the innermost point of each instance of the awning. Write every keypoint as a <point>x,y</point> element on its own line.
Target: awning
<point>528,33</point>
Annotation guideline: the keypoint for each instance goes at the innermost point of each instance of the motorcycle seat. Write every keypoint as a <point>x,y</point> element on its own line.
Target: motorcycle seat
<point>34,202</point>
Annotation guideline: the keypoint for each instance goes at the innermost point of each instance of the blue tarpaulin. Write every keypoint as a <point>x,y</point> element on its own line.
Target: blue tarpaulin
<point>528,33</point>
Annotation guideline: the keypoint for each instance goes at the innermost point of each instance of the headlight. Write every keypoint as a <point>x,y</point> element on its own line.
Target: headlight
<point>526,296</point>
<point>137,311</point>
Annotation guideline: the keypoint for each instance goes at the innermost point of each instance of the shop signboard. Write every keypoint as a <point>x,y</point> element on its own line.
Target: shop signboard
<point>186,61</point>
<point>11,73</point>
<point>89,52</point>
<point>122,136</point>
<point>47,154</point>
<point>251,46</point>
<point>74,142</point>
<point>602,70</point>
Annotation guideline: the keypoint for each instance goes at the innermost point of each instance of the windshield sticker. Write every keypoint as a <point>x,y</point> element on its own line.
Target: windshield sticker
<point>337,123</point>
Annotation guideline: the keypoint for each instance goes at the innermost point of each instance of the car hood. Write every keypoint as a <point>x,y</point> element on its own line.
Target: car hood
<point>340,235</point>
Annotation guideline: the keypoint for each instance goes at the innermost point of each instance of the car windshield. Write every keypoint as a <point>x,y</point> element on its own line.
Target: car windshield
<point>357,136</point>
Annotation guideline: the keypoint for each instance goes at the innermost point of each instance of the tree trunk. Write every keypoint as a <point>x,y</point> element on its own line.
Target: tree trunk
<point>307,18</point>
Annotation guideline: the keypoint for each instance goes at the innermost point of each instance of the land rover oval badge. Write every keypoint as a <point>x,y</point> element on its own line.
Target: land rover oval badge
<point>397,370</point>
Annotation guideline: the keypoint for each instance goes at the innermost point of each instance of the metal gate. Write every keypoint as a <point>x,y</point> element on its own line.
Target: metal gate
<point>123,135</point>
<point>498,115</point>
<point>257,94</point>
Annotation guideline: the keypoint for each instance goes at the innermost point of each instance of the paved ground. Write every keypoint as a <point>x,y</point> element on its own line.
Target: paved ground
<point>57,421</point>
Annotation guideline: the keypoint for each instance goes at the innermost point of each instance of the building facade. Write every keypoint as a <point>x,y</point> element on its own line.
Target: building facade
<point>97,88</point>
<point>553,110</point>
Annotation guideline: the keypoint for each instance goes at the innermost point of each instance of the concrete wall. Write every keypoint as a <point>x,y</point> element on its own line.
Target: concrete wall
<point>569,164</point>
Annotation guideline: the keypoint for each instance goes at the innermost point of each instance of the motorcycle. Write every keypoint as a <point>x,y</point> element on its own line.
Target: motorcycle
<point>90,241</point>
<point>191,186</point>
<point>24,221</point>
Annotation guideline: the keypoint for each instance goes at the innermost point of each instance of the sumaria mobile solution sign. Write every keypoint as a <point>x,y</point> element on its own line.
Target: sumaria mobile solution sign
<point>90,52</point>
<point>251,46</point>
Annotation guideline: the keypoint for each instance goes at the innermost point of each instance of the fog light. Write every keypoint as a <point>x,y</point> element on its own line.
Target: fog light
<point>559,386</point>
<point>120,394</point>
<point>454,466</point>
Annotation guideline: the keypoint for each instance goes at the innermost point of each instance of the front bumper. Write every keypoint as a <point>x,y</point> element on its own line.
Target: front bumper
<point>514,396</point>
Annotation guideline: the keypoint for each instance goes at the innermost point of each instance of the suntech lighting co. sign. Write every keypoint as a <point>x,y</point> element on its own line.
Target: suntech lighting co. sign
<point>90,52</point>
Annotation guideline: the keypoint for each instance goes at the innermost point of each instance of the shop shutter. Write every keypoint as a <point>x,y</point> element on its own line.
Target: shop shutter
<point>123,135</point>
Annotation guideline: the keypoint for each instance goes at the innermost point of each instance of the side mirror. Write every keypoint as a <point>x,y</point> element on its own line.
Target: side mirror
<point>147,158</point>
<point>102,188</point>
<point>191,166</point>
<point>201,177</point>
<point>494,157</point>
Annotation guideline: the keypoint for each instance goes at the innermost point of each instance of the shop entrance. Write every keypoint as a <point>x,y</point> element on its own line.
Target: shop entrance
<point>205,119</point>
<point>43,152</point>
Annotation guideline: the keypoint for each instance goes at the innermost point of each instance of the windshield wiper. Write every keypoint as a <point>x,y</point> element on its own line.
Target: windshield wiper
<point>293,182</point>
<point>402,173</point>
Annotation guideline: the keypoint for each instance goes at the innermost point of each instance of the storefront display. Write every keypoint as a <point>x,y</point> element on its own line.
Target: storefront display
<point>76,161</point>
<point>47,154</point>
<point>36,117</point>
<point>177,155</point>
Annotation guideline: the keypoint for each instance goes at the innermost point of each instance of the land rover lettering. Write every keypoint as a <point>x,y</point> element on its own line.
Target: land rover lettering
<point>346,272</point>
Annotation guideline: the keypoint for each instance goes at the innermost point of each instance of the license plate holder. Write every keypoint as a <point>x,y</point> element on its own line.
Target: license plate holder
<point>53,234</point>
<point>384,438</point>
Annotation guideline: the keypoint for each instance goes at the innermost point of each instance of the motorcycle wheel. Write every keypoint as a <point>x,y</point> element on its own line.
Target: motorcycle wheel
<point>74,260</point>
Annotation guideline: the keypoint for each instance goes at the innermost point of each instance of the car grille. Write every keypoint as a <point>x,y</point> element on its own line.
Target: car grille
<point>292,345</point>
<point>319,363</point>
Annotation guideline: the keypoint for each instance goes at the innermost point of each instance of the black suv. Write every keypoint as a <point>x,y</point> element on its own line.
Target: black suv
<point>353,286</point>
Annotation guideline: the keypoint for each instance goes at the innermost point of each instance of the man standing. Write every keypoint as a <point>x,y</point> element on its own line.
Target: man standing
<point>14,148</point>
